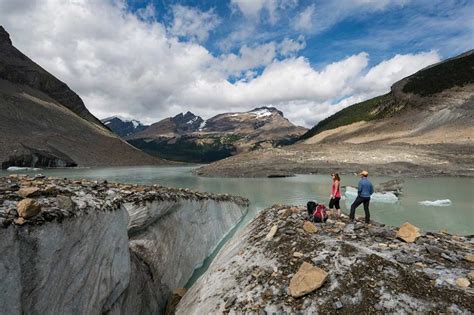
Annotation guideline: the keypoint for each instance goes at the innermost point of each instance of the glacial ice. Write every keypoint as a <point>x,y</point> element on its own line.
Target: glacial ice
<point>382,197</point>
<point>16,169</point>
<point>436,203</point>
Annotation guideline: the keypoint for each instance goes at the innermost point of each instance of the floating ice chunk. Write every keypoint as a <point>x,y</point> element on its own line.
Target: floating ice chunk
<point>16,168</point>
<point>382,197</point>
<point>436,203</point>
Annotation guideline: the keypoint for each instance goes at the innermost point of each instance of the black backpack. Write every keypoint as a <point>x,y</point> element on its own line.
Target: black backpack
<point>311,206</point>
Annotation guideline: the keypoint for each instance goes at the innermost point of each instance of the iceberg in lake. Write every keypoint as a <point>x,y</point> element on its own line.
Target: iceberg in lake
<point>16,168</point>
<point>436,203</point>
<point>382,197</point>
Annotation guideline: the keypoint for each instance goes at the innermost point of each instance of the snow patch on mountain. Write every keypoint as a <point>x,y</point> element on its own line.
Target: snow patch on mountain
<point>192,120</point>
<point>261,113</point>
<point>202,125</point>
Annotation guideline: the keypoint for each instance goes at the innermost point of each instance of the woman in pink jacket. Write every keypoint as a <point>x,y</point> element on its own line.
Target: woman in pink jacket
<point>335,195</point>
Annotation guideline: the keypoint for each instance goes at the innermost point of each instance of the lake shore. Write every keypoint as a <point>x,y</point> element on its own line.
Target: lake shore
<point>393,160</point>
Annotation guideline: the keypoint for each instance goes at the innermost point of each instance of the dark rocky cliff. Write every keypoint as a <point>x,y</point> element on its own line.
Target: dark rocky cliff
<point>45,124</point>
<point>18,68</point>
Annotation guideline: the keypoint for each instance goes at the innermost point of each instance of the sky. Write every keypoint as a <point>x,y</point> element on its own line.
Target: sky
<point>152,59</point>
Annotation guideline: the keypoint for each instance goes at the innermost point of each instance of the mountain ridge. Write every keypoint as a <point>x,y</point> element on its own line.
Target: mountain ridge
<point>187,137</point>
<point>407,93</point>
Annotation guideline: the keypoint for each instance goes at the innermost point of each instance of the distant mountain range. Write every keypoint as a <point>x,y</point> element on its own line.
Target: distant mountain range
<point>123,127</point>
<point>187,137</point>
<point>43,123</point>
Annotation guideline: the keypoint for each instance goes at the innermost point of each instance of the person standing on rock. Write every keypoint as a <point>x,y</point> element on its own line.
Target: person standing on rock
<point>335,195</point>
<point>364,191</point>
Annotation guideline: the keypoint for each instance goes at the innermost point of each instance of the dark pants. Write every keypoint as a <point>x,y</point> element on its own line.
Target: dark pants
<point>356,203</point>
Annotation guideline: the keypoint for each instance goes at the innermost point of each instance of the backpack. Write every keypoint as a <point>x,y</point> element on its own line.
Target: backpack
<point>320,214</point>
<point>310,207</point>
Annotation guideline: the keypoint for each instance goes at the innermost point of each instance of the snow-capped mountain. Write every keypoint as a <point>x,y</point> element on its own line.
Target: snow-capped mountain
<point>122,126</point>
<point>188,137</point>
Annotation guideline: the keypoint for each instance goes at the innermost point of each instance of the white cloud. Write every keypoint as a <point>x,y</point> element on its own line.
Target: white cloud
<point>120,63</point>
<point>253,8</point>
<point>248,58</point>
<point>289,47</point>
<point>147,13</point>
<point>318,17</point>
<point>305,94</point>
<point>400,66</point>
<point>304,20</point>
<point>192,23</point>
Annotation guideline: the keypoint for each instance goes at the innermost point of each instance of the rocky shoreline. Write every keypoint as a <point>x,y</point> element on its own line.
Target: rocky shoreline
<point>281,263</point>
<point>61,198</point>
<point>90,247</point>
<point>392,160</point>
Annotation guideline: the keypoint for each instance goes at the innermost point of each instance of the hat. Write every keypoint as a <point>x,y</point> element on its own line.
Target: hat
<point>364,173</point>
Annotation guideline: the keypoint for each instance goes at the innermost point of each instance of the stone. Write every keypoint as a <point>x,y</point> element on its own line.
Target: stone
<point>450,258</point>
<point>295,210</point>
<point>306,280</point>
<point>272,233</point>
<point>28,208</point>
<point>65,202</point>
<point>406,259</point>
<point>27,192</point>
<point>298,254</point>
<point>285,213</point>
<point>174,300</point>
<point>420,265</point>
<point>340,224</point>
<point>408,232</point>
<point>309,227</point>
<point>470,275</point>
<point>463,283</point>
<point>469,258</point>
<point>434,250</point>
<point>50,189</point>
<point>230,302</point>
<point>19,221</point>
<point>267,294</point>
<point>338,305</point>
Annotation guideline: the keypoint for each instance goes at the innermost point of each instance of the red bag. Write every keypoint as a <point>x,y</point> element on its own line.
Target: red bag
<point>320,214</point>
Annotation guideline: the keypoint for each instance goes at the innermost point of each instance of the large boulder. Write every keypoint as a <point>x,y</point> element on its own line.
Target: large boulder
<point>307,279</point>
<point>408,232</point>
<point>309,227</point>
<point>28,208</point>
<point>27,192</point>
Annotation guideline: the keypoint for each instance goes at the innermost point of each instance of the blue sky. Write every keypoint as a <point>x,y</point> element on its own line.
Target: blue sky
<point>381,28</point>
<point>151,59</point>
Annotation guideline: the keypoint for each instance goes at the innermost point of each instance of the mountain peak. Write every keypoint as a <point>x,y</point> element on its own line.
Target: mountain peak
<point>266,111</point>
<point>187,122</point>
<point>4,36</point>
